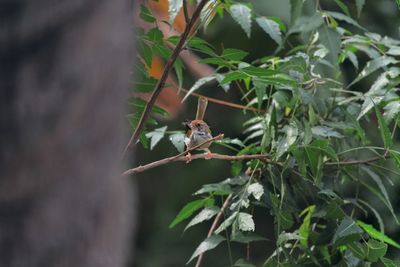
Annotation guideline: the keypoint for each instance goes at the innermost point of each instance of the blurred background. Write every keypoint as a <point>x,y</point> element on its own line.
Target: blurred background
<point>165,190</point>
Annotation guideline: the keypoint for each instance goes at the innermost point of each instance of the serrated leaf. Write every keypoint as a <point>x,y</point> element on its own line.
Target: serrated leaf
<point>375,250</point>
<point>200,82</point>
<point>174,6</point>
<point>372,66</point>
<point>271,28</point>
<point>204,215</point>
<point>233,76</point>
<point>359,5</point>
<point>228,222</point>
<point>216,189</point>
<point>331,40</point>
<point>382,188</point>
<point>208,244</point>
<point>147,54</point>
<point>146,15</point>
<point>188,210</point>
<point>291,134</point>
<point>347,231</point>
<point>384,130</point>
<point>245,222</point>
<point>155,136</point>
<point>177,139</point>
<point>234,54</point>
<point>324,131</point>
<point>242,15</point>
<point>256,189</point>
<point>376,234</point>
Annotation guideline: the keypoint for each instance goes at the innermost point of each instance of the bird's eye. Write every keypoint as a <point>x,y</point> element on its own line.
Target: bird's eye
<point>198,124</point>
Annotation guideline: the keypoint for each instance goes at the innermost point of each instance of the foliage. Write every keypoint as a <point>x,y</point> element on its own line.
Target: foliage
<point>311,123</point>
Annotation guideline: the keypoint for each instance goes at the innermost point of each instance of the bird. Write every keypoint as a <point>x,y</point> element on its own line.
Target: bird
<point>198,131</point>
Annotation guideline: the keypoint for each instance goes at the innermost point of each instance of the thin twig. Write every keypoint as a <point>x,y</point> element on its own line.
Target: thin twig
<point>214,225</point>
<point>225,103</point>
<point>163,78</point>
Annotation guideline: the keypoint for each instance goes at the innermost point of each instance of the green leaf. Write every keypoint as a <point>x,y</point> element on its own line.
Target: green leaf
<point>284,237</point>
<point>234,54</point>
<point>375,250</point>
<point>243,263</point>
<point>174,6</point>
<point>155,35</point>
<point>147,54</point>
<point>389,263</point>
<point>200,82</point>
<point>162,50</point>
<point>372,66</point>
<point>384,130</point>
<point>331,40</point>
<point>228,222</point>
<point>289,139</point>
<point>344,18</point>
<point>271,28</point>
<point>146,15</point>
<point>359,5</point>
<point>347,232</point>
<point>188,210</point>
<point>376,234</point>
<point>343,7</point>
<point>246,237</point>
<point>382,188</point>
<point>306,24</point>
<point>233,76</point>
<point>155,136</point>
<point>296,8</point>
<point>208,244</point>
<point>304,230</point>
<point>358,250</point>
<point>177,139</point>
<point>245,222</point>
<point>216,189</point>
<point>204,215</point>
<point>144,84</point>
<point>242,15</point>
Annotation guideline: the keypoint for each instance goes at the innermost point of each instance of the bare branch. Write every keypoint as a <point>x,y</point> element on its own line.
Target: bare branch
<point>163,78</point>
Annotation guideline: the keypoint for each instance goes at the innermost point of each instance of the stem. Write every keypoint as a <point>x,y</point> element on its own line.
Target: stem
<point>214,225</point>
<point>161,82</point>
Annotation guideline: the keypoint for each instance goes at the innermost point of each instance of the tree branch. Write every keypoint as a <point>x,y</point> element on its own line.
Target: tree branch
<point>263,157</point>
<point>214,225</point>
<point>179,157</point>
<point>163,78</point>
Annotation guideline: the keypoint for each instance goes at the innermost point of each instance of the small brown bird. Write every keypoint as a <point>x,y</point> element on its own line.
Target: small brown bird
<point>198,131</point>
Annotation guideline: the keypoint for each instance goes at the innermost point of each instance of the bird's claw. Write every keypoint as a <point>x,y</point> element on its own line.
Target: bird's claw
<point>208,155</point>
<point>188,157</point>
